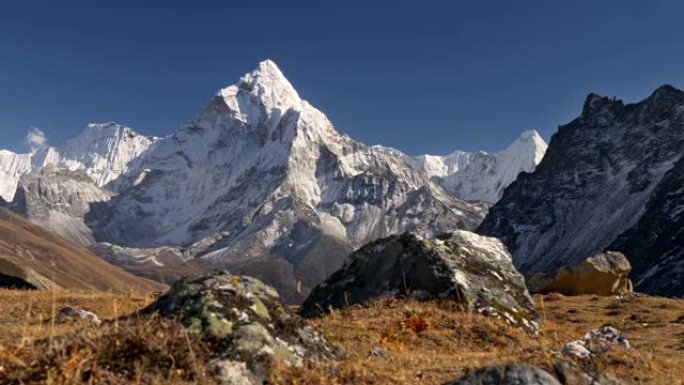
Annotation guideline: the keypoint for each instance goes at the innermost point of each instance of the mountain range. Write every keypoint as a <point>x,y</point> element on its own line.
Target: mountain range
<point>260,183</point>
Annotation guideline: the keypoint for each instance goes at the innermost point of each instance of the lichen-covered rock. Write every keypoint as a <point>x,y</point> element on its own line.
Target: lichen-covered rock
<point>508,374</point>
<point>461,266</point>
<point>244,320</point>
<point>602,274</point>
<point>70,313</point>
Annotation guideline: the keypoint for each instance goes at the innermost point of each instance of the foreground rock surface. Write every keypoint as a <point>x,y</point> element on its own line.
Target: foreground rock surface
<point>462,266</point>
<point>245,322</point>
<point>508,374</point>
<point>603,274</point>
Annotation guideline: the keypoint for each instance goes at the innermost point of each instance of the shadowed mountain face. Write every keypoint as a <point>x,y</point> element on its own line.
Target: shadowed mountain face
<point>610,179</point>
<point>31,257</point>
<point>656,243</point>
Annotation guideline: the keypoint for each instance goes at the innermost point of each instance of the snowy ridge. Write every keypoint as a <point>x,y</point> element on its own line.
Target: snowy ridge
<point>12,167</point>
<point>103,151</point>
<point>479,176</point>
<point>111,149</point>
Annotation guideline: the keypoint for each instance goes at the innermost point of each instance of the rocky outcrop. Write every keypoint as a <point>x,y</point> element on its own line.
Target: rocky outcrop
<point>245,323</point>
<point>603,274</point>
<point>610,180</point>
<point>508,374</point>
<point>461,266</point>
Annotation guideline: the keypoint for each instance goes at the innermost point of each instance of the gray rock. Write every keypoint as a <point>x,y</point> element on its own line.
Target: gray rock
<point>576,349</point>
<point>461,266</point>
<point>603,274</point>
<point>595,342</point>
<point>70,313</point>
<point>245,321</point>
<point>605,335</point>
<point>508,375</point>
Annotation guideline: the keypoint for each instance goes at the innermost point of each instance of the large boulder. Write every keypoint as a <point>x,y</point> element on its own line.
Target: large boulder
<point>461,266</point>
<point>508,374</point>
<point>603,274</point>
<point>245,322</point>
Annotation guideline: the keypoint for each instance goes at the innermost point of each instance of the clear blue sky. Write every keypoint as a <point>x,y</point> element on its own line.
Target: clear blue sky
<point>422,76</point>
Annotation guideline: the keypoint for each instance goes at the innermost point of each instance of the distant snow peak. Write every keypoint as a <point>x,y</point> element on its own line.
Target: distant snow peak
<point>528,143</point>
<point>479,176</point>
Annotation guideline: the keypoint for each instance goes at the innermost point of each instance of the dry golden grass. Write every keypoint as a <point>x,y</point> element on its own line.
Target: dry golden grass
<point>431,343</point>
<point>387,342</point>
<point>34,349</point>
<point>28,315</point>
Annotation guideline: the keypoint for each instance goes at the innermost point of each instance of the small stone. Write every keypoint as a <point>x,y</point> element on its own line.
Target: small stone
<point>576,349</point>
<point>378,352</point>
<point>70,313</point>
<point>605,335</point>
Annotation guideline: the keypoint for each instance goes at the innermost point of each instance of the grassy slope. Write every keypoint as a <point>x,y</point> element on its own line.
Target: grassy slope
<point>24,245</point>
<point>427,343</point>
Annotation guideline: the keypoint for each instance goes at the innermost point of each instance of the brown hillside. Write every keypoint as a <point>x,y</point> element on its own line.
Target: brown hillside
<point>31,257</point>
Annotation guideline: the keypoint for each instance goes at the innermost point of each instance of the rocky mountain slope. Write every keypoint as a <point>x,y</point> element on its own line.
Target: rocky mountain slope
<point>610,179</point>
<point>480,176</point>
<point>31,257</point>
<point>656,244</point>
<point>262,183</point>
<point>58,199</point>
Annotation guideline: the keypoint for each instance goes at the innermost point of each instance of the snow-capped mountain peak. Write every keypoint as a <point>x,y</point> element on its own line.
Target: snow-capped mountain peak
<point>529,142</point>
<point>264,88</point>
<point>261,182</point>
